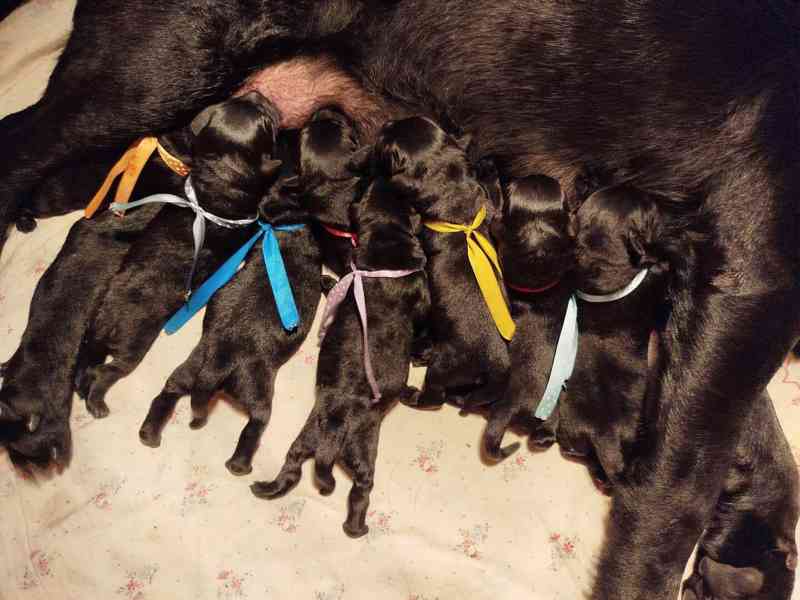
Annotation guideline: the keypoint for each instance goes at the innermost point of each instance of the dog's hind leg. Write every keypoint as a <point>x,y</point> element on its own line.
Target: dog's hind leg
<point>180,382</point>
<point>253,386</point>
<point>359,458</point>
<point>499,421</point>
<point>749,549</point>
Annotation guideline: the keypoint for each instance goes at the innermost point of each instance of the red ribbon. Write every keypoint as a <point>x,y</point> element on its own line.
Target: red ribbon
<point>342,234</point>
<point>538,290</point>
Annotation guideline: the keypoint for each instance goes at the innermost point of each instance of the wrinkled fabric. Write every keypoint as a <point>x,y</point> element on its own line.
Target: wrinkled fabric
<point>126,522</point>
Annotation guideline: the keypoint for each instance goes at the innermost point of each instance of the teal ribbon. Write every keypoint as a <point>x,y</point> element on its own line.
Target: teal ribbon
<point>567,346</point>
<point>563,361</point>
<point>276,274</point>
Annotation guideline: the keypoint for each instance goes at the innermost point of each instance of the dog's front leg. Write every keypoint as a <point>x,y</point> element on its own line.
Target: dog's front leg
<point>734,319</point>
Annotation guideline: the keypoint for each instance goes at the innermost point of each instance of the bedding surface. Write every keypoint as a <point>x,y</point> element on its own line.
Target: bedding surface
<point>130,522</point>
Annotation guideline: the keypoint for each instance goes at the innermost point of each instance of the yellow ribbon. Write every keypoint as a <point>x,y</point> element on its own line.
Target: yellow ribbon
<point>483,259</point>
<point>130,167</point>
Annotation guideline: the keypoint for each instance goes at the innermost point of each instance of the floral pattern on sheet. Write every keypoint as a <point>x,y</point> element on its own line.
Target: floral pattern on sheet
<point>427,456</point>
<point>562,548</point>
<point>231,584</point>
<point>137,582</point>
<point>288,517</point>
<point>40,567</point>
<point>335,592</point>
<point>471,540</point>
<point>514,466</point>
<point>103,499</point>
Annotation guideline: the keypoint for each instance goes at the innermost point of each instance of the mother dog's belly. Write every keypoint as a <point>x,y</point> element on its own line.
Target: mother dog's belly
<point>300,86</point>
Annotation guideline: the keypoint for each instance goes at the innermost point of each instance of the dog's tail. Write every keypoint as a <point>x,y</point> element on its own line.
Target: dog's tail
<point>9,6</point>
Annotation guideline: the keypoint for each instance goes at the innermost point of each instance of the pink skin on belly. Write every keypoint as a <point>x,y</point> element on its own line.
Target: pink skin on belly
<point>300,86</point>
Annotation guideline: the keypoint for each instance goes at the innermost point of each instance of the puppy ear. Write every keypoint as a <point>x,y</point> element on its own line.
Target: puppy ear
<point>201,121</point>
<point>359,162</point>
<point>647,237</point>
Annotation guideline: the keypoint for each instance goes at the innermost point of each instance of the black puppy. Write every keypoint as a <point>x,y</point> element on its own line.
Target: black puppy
<point>344,424</point>
<point>38,380</point>
<point>244,344</point>
<point>327,183</point>
<point>232,167</point>
<point>534,245</point>
<point>439,183</point>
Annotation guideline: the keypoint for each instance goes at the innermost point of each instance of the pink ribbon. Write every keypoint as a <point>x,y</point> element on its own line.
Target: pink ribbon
<point>339,293</point>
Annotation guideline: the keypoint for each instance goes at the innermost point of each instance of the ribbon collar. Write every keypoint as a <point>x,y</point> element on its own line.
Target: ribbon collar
<point>276,274</point>
<point>339,292</point>
<point>130,167</point>
<point>342,234</point>
<point>483,259</point>
<point>199,225</point>
<point>539,290</point>
<point>567,346</point>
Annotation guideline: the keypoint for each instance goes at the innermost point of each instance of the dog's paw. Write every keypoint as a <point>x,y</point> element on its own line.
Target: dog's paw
<point>355,531</point>
<point>238,466</point>
<point>149,436</point>
<point>198,422</point>
<point>714,580</point>
<point>97,408</point>
<point>272,489</point>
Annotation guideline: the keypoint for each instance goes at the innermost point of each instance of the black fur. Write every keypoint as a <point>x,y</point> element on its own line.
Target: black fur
<point>344,424</point>
<point>439,183</point>
<point>535,250</point>
<point>232,167</point>
<point>698,101</point>
<point>244,344</point>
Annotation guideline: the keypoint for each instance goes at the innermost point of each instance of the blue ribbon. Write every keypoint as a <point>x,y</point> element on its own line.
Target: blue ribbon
<point>276,274</point>
<point>563,361</point>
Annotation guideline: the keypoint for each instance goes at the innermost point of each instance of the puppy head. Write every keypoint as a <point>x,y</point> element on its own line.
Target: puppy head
<point>325,182</point>
<point>419,155</point>
<point>387,230</point>
<point>533,238</point>
<point>232,154</point>
<point>620,231</point>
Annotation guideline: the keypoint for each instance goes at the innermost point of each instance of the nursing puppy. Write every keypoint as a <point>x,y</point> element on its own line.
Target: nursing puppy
<point>534,246</point>
<point>232,167</point>
<point>344,424</point>
<point>328,184</point>
<point>244,344</point>
<point>438,182</point>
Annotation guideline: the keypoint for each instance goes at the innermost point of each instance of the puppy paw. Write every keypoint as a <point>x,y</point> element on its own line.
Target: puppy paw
<point>198,422</point>
<point>714,580</point>
<point>25,223</point>
<point>239,466</point>
<point>149,436</point>
<point>97,408</point>
<point>271,489</point>
<point>355,531</point>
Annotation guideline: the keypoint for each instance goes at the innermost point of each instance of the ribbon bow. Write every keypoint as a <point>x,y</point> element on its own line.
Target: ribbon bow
<point>199,225</point>
<point>276,274</point>
<point>130,167</point>
<point>567,346</point>
<point>339,293</point>
<point>483,259</point>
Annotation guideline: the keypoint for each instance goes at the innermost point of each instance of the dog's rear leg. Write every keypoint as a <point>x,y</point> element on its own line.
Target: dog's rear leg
<point>253,387</point>
<point>500,420</point>
<point>749,549</point>
<point>178,385</point>
<point>359,458</point>
<point>301,449</point>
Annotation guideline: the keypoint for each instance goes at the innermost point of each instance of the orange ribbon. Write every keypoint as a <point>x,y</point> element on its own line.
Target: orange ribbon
<point>129,167</point>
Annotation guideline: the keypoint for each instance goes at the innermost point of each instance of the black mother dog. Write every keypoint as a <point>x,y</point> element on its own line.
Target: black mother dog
<point>687,100</point>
